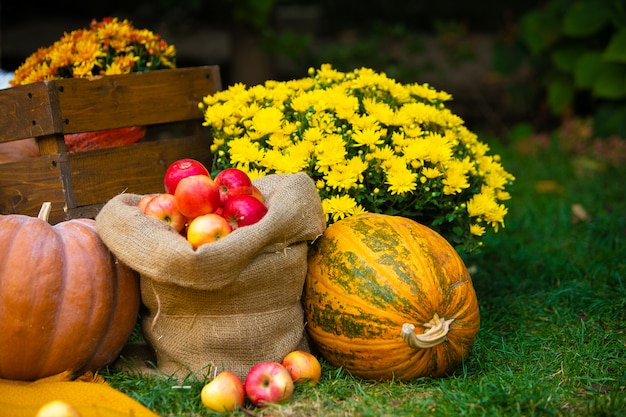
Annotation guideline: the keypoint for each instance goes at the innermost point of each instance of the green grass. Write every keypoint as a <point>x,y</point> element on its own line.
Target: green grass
<point>552,294</point>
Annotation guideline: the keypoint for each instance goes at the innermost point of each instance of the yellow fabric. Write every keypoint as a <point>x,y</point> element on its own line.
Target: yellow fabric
<point>89,394</point>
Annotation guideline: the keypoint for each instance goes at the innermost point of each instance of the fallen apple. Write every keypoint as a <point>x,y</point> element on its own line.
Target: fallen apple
<point>224,393</point>
<point>164,207</point>
<point>57,408</point>
<point>232,182</point>
<point>207,228</point>
<point>243,210</point>
<point>303,367</point>
<point>268,383</point>
<point>197,195</point>
<point>180,169</point>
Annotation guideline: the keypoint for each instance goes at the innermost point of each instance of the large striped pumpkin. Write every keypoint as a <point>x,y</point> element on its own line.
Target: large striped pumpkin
<point>386,297</point>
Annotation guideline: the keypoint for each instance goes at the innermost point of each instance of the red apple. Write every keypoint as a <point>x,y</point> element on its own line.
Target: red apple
<point>224,393</point>
<point>207,228</point>
<point>164,207</point>
<point>180,169</point>
<point>257,193</point>
<point>57,408</point>
<point>232,182</point>
<point>268,383</point>
<point>243,210</point>
<point>144,201</point>
<point>197,195</point>
<point>303,367</point>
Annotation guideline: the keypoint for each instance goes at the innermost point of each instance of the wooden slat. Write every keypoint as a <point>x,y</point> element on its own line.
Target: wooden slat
<point>87,104</point>
<point>95,176</point>
<point>101,174</point>
<point>136,99</point>
<point>25,185</point>
<point>29,111</point>
<point>79,184</point>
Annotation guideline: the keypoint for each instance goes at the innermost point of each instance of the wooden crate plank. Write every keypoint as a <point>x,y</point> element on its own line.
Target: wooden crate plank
<point>136,99</point>
<point>85,212</point>
<point>79,184</point>
<point>99,175</point>
<point>25,185</point>
<point>29,111</point>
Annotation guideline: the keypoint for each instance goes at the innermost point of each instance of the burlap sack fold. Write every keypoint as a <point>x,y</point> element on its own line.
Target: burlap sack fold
<point>228,304</point>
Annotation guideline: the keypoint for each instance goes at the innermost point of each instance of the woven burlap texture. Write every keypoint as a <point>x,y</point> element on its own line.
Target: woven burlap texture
<point>229,304</point>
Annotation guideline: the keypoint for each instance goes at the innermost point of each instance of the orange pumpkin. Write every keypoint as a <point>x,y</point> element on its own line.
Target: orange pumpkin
<point>65,302</point>
<point>100,139</point>
<point>386,297</point>
<point>18,150</point>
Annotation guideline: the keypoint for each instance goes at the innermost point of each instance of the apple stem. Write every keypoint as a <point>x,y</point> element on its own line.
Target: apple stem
<point>44,211</point>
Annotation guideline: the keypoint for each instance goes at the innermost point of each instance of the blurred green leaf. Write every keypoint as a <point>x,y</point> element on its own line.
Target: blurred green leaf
<point>560,94</point>
<point>584,18</point>
<point>610,120</point>
<point>506,58</point>
<point>618,15</point>
<point>587,68</point>
<point>539,30</point>
<point>616,50</point>
<point>256,13</point>
<point>611,82</point>
<point>564,58</point>
<point>521,131</point>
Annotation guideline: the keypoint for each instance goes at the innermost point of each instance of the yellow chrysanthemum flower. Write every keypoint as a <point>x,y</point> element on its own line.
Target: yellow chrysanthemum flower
<point>339,207</point>
<point>431,173</point>
<point>244,151</point>
<point>345,177</point>
<point>330,151</point>
<point>107,47</point>
<point>370,144</point>
<point>455,180</point>
<point>485,206</point>
<point>367,137</point>
<point>400,179</point>
<point>477,229</point>
<point>267,120</point>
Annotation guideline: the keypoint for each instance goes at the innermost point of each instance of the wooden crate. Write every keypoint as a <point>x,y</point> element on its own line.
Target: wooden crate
<point>78,184</point>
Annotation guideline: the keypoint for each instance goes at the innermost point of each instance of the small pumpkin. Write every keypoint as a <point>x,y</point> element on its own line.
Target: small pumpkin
<point>66,303</point>
<point>18,150</point>
<point>386,297</point>
<point>101,139</point>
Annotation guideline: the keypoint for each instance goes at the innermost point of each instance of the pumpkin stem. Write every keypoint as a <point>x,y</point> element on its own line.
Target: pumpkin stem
<point>437,330</point>
<point>44,211</point>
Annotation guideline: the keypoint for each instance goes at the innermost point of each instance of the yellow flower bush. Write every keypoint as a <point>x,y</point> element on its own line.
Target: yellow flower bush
<point>108,47</point>
<point>370,144</point>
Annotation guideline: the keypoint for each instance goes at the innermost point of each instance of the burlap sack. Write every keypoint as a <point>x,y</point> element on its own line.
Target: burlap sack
<point>228,304</point>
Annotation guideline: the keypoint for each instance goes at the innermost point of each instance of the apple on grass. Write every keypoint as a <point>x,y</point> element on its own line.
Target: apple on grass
<point>225,393</point>
<point>164,207</point>
<point>207,228</point>
<point>197,195</point>
<point>303,367</point>
<point>180,169</point>
<point>268,383</point>
<point>232,182</point>
<point>243,210</point>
